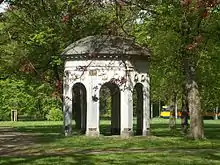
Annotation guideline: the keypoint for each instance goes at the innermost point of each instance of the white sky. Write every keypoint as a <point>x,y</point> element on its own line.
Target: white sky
<point>3,6</point>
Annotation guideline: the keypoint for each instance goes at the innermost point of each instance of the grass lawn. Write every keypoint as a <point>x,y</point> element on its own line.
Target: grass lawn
<point>42,143</point>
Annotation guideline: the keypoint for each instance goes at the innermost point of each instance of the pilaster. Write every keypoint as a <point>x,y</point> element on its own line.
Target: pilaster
<point>92,127</point>
<point>67,109</point>
<point>126,111</point>
<point>146,108</point>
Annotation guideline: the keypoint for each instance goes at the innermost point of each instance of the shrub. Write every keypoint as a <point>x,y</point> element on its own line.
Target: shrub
<point>55,114</point>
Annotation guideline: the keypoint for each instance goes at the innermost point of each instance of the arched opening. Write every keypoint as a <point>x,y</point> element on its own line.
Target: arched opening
<point>79,107</point>
<point>138,109</point>
<point>110,109</point>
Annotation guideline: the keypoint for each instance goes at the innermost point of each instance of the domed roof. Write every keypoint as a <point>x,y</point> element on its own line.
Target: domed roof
<point>105,46</point>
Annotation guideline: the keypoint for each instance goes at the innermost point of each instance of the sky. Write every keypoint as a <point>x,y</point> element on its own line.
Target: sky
<point>3,6</point>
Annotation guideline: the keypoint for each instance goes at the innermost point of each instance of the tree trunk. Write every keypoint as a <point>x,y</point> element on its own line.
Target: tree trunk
<point>216,113</point>
<point>194,104</point>
<point>196,120</point>
<point>173,113</point>
<point>175,103</point>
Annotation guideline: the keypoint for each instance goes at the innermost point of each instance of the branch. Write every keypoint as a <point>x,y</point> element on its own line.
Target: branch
<point>120,21</point>
<point>140,6</point>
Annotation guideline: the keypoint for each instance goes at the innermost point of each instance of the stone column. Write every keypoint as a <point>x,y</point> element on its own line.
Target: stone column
<point>146,109</point>
<point>67,109</point>
<point>92,127</point>
<point>126,111</point>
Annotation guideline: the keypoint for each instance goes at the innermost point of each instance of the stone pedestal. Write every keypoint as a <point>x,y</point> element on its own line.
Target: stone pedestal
<point>127,132</point>
<point>92,127</point>
<point>68,130</point>
<point>146,132</point>
<point>92,132</point>
<point>126,111</point>
<point>67,110</point>
<point>146,109</point>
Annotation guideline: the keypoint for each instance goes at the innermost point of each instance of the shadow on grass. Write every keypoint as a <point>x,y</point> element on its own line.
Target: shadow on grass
<point>53,159</point>
<point>212,131</point>
<point>40,129</point>
<point>171,158</point>
<point>17,139</point>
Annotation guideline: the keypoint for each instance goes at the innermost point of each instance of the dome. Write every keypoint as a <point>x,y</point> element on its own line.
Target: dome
<point>105,47</point>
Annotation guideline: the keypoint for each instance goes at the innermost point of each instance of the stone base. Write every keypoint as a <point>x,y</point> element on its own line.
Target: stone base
<point>92,132</point>
<point>127,132</point>
<point>146,132</point>
<point>67,130</point>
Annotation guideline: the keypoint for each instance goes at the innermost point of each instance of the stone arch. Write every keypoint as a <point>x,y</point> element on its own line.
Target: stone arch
<point>138,111</point>
<point>79,105</point>
<point>115,108</point>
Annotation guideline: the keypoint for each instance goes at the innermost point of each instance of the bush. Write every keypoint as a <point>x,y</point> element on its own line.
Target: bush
<point>30,98</point>
<point>55,114</point>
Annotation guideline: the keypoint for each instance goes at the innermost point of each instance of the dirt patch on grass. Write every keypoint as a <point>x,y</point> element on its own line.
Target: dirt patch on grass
<point>12,142</point>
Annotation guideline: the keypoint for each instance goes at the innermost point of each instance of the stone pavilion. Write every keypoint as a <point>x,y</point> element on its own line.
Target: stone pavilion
<point>111,61</point>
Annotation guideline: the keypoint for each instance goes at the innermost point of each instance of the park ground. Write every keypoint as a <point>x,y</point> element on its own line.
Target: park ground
<point>42,143</point>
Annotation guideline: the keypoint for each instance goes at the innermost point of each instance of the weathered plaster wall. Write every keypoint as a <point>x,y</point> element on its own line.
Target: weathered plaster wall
<point>93,74</point>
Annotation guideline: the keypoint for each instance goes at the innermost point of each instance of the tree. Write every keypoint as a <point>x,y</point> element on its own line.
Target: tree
<point>33,35</point>
<point>43,29</point>
<point>179,34</point>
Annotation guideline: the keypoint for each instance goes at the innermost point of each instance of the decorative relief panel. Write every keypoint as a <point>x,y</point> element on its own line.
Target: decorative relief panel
<point>93,72</point>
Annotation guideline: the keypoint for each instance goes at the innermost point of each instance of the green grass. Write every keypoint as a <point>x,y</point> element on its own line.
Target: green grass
<point>42,143</point>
